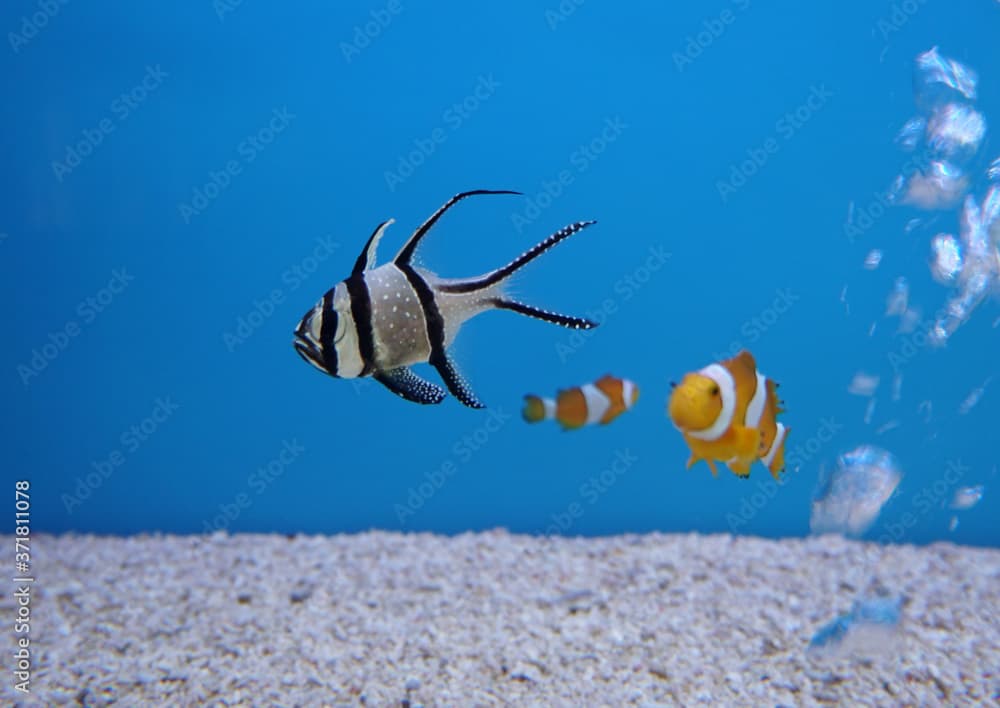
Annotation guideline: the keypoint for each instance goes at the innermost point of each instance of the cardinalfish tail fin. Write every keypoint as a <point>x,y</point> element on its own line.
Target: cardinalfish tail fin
<point>537,409</point>
<point>506,303</point>
<point>501,274</point>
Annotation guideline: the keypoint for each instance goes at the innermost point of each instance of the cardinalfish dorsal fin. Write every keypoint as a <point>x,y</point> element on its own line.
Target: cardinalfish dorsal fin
<point>366,261</point>
<point>405,254</point>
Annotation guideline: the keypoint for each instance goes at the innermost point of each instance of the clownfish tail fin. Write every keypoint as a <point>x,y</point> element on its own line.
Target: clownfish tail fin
<point>535,409</point>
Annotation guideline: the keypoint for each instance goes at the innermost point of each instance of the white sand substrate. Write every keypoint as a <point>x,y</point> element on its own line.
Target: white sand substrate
<point>493,619</point>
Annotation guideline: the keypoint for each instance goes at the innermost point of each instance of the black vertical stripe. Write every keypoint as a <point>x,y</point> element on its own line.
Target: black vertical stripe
<point>361,309</point>
<point>435,336</point>
<point>432,315</point>
<point>327,331</point>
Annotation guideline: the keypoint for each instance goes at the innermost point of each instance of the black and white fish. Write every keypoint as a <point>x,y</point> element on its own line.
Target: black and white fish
<point>379,321</point>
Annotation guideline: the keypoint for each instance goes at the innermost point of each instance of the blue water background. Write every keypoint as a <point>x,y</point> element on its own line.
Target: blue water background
<point>532,89</point>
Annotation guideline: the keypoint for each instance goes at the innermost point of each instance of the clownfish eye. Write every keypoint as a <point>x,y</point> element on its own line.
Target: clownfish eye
<point>714,390</point>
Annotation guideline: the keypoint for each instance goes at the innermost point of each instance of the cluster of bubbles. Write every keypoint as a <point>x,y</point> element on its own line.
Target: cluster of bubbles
<point>947,135</point>
<point>948,131</point>
<point>870,628</point>
<point>965,498</point>
<point>850,497</point>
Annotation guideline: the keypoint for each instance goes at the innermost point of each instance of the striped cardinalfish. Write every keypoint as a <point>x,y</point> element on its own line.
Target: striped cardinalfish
<point>728,412</point>
<point>381,320</point>
<point>598,402</point>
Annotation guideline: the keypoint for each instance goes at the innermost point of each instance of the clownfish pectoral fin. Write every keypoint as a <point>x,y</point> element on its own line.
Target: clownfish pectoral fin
<point>747,442</point>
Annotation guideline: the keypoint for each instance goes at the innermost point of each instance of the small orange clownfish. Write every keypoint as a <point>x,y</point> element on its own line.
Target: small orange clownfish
<point>728,412</point>
<point>598,402</point>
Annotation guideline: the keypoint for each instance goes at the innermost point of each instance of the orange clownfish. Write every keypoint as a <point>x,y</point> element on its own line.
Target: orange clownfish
<point>727,412</point>
<point>598,402</point>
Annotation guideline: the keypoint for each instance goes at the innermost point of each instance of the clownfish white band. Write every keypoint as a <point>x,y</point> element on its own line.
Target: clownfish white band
<point>756,408</point>
<point>779,437</point>
<point>628,390</point>
<point>727,387</point>
<point>596,401</point>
